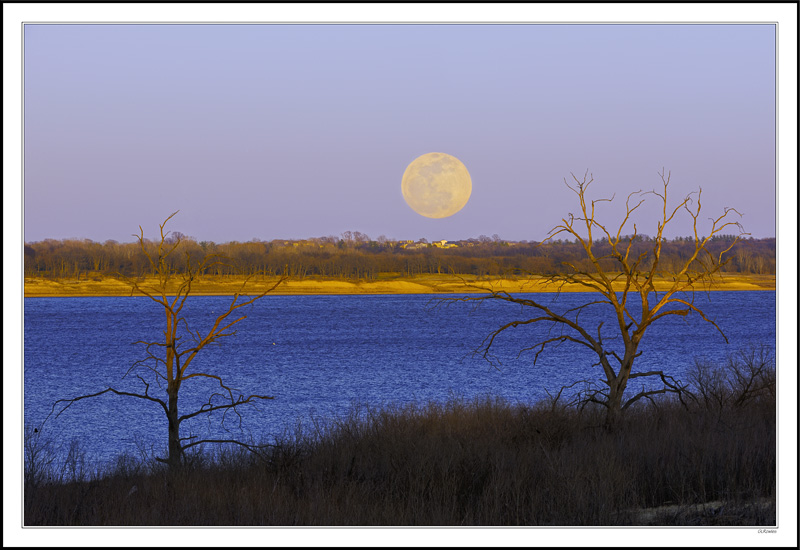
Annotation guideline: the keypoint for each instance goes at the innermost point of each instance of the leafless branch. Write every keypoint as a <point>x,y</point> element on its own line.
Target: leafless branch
<point>71,401</point>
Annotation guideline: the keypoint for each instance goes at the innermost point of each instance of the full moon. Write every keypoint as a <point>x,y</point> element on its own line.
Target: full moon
<point>436,185</point>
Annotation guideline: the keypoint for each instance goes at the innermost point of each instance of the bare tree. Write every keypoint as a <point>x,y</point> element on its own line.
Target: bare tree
<point>168,363</point>
<point>618,269</point>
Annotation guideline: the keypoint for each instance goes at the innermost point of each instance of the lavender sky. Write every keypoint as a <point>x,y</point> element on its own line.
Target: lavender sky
<point>295,131</point>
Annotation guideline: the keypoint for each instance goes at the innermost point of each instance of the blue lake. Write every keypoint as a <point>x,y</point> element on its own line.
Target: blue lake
<point>319,355</point>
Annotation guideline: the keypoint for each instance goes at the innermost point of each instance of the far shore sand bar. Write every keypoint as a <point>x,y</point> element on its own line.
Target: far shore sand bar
<point>423,284</point>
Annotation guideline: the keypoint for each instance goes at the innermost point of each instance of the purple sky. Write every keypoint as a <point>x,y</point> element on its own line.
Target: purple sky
<point>295,131</point>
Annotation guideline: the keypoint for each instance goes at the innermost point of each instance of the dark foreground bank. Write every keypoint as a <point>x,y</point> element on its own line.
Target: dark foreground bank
<point>710,460</point>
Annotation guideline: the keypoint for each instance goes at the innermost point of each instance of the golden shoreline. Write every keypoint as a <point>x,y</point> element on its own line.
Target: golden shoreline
<point>424,284</point>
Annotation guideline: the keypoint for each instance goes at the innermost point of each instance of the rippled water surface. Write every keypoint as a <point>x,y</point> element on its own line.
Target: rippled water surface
<point>317,355</point>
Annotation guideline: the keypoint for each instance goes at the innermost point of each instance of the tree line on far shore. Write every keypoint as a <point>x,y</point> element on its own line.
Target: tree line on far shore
<point>355,256</point>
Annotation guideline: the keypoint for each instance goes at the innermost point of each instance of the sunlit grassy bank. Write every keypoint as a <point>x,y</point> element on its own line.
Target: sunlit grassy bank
<point>387,284</point>
<point>482,462</point>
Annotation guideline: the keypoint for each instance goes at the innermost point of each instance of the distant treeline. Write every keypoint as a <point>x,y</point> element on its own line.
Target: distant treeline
<point>355,256</point>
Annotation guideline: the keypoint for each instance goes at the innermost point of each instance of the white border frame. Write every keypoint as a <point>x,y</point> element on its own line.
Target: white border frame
<point>784,14</point>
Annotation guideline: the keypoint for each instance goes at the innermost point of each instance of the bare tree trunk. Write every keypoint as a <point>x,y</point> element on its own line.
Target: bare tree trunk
<point>175,451</point>
<point>620,382</point>
<point>615,393</point>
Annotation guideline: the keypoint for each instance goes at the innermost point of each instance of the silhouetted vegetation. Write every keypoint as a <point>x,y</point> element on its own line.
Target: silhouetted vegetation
<point>669,461</point>
<point>348,257</point>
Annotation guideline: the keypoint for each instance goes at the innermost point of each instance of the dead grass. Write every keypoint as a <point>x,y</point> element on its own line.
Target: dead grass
<point>483,462</point>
